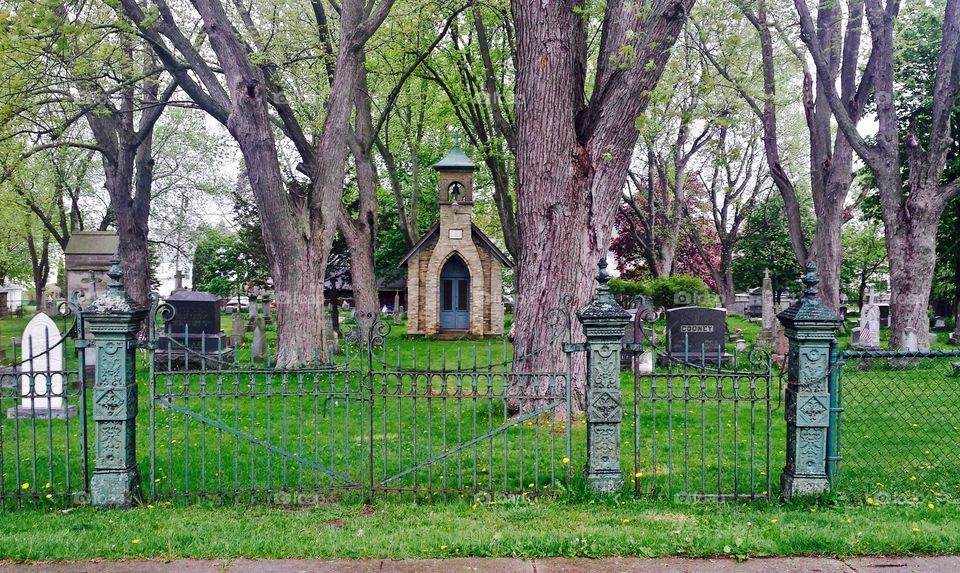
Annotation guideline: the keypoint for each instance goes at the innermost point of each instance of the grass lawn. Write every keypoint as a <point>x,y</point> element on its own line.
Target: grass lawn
<point>521,527</point>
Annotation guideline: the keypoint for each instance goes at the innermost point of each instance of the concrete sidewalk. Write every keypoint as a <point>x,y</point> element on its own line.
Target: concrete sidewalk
<point>609,565</point>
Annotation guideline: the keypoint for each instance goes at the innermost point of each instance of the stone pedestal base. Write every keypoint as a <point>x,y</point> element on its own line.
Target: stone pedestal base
<point>792,486</point>
<point>115,488</point>
<point>604,482</point>
<point>766,339</point>
<point>955,338</point>
<point>39,413</point>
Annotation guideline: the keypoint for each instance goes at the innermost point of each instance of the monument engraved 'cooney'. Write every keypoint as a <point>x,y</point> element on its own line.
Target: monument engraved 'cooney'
<point>697,334</point>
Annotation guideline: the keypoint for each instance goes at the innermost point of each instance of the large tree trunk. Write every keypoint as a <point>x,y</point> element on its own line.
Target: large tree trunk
<point>360,233</point>
<point>131,211</point>
<point>827,247</point>
<point>912,249</point>
<point>572,158</point>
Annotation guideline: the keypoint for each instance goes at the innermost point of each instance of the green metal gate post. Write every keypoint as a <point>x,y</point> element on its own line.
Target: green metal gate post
<point>810,327</point>
<point>114,319</point>
<point>603,323</point>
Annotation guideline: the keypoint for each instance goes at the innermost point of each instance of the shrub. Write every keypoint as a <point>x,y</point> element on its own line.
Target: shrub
<point>679,290</point>
<point>620,287</point>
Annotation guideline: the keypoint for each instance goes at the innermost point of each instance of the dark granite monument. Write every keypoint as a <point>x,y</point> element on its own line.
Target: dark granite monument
<point>697,335</point>
<point>193,333</point>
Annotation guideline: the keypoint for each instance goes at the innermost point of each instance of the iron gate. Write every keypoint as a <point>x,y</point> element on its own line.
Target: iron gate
<point>377,415</point>
<point>700,419</point>
<point>43,400</point>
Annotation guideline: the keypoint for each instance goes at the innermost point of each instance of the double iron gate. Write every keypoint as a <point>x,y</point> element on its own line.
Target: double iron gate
<point>371,417</point>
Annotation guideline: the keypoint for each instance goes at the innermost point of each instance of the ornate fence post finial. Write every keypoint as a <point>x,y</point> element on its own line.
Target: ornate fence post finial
<point>810,327</point>
<point>114,318</point>
<point>603,323</point>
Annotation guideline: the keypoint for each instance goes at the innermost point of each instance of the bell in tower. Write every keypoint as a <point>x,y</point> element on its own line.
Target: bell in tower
<point>456,177</point>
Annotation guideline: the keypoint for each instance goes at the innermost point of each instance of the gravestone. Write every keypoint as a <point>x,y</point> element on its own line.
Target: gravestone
<point>178,281</point>
<point>258,347</point>
<point>781,348</point>
<point>697,334</point>
<point>755,302</point>
<point>954,337</point>
<point>767,317</point>
<point>869,331</point>
<point>267,314</point>
<point>41,373</point>
<point>330,334</point>
<point>238,329</point>
<point>910,341</point>
<point>842,311</point>
<point>50,306</point>
<point>884,314</point>
<point>939,323</point>
<point>193,334</point>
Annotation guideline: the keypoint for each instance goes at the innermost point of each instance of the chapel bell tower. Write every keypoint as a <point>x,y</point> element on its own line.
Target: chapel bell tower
<point>456,192</point>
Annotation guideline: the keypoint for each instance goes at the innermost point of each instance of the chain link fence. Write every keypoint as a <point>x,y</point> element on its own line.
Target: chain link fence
<point>898,427</point>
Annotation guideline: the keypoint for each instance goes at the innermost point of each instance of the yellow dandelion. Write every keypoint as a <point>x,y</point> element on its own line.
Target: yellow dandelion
<point>49,496</point>
<point>443,547</point>
<point>626,520</point>
<point>25,485</point>
<point>149,506</point>
<point>566,460</point>
<point>813,510</point>
<point>930,506</point>
<point>773,522</point>
<point>136,542</point>
<point>156,480</point>
<point>46,485</point>
<point>913,478</point>
<point>474,507</point>
<point>530,486</point>
<point>638,474</point>
<point>916,530</point>
<point>869,501</point>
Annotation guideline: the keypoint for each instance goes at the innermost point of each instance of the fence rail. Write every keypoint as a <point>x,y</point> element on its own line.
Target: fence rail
<point>898,425</point>
<point>44,428</point>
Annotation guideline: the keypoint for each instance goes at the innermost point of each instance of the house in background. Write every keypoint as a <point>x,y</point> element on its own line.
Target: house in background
<point>454,272</point>
<point>11,296</point>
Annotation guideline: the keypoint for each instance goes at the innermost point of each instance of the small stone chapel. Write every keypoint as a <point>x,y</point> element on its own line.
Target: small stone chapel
<point>454,280</point>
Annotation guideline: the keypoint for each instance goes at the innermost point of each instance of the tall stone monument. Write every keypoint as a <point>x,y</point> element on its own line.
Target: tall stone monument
<point>869,329</point>
<point>768,319</point>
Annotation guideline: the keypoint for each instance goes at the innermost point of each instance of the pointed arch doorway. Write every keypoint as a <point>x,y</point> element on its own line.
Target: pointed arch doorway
<point>454,295</point>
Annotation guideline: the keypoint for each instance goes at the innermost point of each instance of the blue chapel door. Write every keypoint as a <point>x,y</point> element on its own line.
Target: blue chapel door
<point>455,295</point>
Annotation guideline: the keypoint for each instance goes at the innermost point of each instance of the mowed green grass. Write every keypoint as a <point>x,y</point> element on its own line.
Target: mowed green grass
<point>515,527</point>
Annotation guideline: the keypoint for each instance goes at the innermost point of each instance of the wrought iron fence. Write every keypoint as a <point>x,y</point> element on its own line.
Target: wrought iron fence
<point>897,426</point>
<point>377,415</point>
<point>700,420</point>
<point>43,432</point>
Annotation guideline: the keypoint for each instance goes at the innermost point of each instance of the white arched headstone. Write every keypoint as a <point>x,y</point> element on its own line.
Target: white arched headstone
<point>41,372</point>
